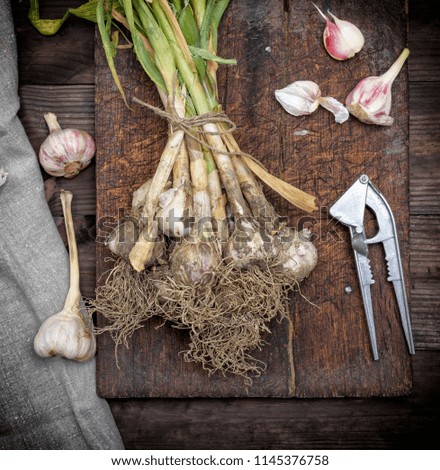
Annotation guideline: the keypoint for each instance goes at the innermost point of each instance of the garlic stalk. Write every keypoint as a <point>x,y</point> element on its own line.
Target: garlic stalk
<point>342,39</point>
<point>303,97</point>
<point>67,333</point>
<point>175,205</point>
<point>370,100</point>
<point>65,152</point>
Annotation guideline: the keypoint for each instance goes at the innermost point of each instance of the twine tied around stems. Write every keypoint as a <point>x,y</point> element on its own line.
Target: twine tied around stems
<point>193,126</point>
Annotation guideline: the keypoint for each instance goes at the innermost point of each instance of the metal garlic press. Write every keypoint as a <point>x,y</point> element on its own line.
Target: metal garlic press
<point>349,209</point>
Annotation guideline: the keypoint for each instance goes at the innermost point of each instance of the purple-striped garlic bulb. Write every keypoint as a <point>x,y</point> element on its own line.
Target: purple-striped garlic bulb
<point>65,152</point>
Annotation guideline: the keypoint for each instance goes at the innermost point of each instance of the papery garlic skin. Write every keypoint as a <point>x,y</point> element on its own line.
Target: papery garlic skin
<point>334,106</point>
<point>303,97</point>
<point>247,245</point>
<point>65,152</point>
<point>370,100</point>
<point>300,98</point>
<point>65,334</point>
<point>342,39</point>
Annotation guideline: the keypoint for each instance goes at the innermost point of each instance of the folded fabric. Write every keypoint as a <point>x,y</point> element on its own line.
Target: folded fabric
<point>44,403</point>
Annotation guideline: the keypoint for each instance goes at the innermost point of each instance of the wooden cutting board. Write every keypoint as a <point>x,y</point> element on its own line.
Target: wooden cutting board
<point>324,351</point>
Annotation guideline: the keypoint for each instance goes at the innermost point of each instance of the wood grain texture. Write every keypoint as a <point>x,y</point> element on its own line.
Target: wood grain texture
<point>51,60</point>
<point>425,148</point>
<point>330,342</point>
<point>424,38</point>
<point>394,423</point>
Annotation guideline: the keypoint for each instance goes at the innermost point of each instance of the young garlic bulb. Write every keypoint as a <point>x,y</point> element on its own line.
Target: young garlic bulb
<point>193,262</point>
<point>297,254</point>
<point>175,212</point>
<point>248,244</point>
<point>67,333</point>
<point>65,152</point>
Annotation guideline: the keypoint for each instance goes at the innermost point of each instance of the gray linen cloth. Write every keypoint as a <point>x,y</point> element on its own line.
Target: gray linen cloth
<point>44,403</point>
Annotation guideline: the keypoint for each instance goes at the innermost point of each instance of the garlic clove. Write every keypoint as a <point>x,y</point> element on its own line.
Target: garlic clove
<point>342,39</point>
<point>303,97</point>
<point>370,100</point>
<point>338,109</point>
<point>300,98</point>
<point>65,152</point>
<point>65,335</point>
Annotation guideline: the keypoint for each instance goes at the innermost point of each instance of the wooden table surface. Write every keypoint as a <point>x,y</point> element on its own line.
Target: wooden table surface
<point>58,73</point>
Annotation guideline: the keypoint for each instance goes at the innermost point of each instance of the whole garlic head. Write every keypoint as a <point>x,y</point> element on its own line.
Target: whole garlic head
<point>298,255</point>
<point>65,334</point>
<point>68,333</point>
<point>65,152</point>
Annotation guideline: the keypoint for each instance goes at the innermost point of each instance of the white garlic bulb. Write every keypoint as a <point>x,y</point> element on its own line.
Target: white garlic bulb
<point>65,152</point>
<point>297,255</point>
<point>67,333</point>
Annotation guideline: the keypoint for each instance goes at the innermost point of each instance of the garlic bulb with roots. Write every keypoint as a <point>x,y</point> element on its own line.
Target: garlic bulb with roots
<point>249,244</point>
<point>65,152</point>
<point>68,333</point>
<point>194,261</point>
<point>297,254</point>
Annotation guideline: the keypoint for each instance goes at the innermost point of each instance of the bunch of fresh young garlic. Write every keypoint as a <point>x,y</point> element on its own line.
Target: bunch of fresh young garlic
<point>369,101</point>
<point>206,224</point>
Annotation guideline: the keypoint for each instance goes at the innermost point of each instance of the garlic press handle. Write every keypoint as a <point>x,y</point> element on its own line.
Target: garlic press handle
<point>387,235</point>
